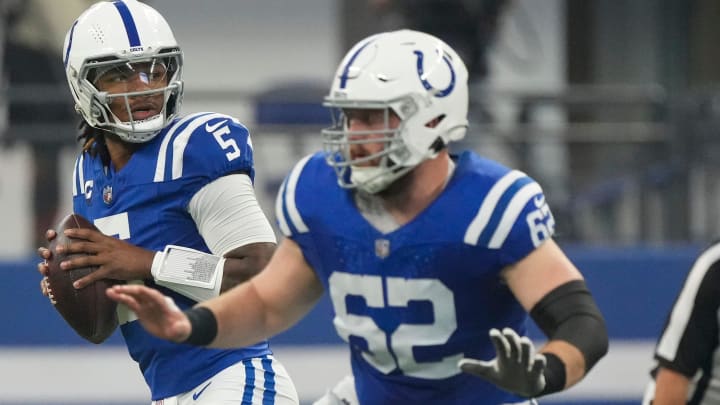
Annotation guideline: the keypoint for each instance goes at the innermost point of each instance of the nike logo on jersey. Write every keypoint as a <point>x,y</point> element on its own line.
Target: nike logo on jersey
<point>212,128</point>
<point>197,394</point>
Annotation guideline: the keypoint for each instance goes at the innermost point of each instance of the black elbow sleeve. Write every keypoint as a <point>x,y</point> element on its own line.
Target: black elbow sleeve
<point>569,313</point>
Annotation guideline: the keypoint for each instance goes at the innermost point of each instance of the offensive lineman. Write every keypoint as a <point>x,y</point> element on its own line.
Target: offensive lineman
<point>423,253</point>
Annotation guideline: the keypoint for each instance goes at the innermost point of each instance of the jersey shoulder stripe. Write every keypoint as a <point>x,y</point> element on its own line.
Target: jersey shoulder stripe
<point>164,145</point>
<point>286,209</point>
<point>500,208</point>
<point>79,170</point>
<point>203,146</point>
<point>79,175</point>
<point>683,308</point>
<point>170,162</point>
<point>527,189</point>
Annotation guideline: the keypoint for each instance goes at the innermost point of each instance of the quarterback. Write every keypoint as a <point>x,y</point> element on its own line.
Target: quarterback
<point>173,196</point>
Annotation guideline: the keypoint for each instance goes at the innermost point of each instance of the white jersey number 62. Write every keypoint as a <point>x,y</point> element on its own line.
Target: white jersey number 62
<point>399,292</point>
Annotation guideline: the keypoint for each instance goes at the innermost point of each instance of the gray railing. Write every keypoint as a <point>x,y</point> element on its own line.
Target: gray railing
<point>620,164</point>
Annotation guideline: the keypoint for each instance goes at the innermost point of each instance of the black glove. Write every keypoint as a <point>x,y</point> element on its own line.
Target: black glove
<point>517,368</point>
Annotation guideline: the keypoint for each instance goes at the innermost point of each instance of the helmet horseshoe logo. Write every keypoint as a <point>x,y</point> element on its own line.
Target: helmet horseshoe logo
<point>438,93</point>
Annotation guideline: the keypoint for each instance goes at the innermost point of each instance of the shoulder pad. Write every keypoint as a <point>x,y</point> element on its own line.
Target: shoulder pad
<point>204,144</point>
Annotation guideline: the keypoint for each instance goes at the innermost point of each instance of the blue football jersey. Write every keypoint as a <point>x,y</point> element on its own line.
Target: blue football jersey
<point>146,204</point>
<point>413,302</point>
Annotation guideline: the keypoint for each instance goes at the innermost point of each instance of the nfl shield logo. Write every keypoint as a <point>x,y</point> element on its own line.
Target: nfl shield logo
<point>107,194</point>
<point>382,248</point>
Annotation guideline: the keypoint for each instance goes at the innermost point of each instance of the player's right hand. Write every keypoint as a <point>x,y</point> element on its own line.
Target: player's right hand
<point>157,313</point>
<point>517,368</point>
<point>116,259</point>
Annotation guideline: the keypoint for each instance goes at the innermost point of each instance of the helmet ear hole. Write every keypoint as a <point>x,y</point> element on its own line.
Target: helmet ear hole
<point>435,121</point>
<point>437,145</point>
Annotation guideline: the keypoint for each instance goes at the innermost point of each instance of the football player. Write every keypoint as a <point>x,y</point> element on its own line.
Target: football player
<point>173,196</point>
<point>432,261</point>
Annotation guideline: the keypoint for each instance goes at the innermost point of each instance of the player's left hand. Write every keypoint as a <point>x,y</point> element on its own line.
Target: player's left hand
<point>517,368</point>
<point>116,259</point>
<point>157,313</point>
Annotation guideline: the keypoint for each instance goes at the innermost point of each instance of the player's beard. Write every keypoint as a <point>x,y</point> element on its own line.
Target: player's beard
<point>396,187</point>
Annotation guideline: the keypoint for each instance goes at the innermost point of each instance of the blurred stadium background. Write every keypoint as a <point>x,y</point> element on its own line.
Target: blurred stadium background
<point>612,106</point>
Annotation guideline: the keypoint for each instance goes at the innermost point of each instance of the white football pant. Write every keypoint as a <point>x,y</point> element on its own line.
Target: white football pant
<point>256,381</point>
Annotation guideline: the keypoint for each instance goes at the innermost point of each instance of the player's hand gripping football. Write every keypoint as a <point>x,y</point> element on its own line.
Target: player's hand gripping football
<point>517,368</point>
<point>157,313</point>
<point>116,259</point>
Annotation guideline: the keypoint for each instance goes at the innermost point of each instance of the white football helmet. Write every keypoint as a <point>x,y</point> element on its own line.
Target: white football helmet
<point>419,78</point>
<point>125,37</point>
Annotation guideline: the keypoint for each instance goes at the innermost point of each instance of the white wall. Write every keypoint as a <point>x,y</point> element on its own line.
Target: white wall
<point>250,45</point>
<point>15,199</point>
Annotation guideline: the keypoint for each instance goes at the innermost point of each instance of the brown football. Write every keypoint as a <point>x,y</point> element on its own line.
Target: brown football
<point>87,310</point>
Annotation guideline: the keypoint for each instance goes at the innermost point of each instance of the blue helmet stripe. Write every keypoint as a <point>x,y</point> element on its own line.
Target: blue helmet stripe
<point>346,70</point>
<point>130,28</point>
<point>67,51</point>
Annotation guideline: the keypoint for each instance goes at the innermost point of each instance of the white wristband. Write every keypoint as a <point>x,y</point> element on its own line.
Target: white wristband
<point>157,262</point>
<point>190,272</point>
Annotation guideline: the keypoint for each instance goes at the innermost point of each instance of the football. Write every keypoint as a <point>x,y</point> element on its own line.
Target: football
<point>87,310</point>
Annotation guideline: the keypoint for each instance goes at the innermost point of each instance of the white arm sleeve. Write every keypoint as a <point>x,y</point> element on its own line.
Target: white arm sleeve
<point>228,215</point>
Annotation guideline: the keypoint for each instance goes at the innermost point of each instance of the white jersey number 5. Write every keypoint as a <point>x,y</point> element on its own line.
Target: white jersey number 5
<point>118,225</point>
<point>399,292</point>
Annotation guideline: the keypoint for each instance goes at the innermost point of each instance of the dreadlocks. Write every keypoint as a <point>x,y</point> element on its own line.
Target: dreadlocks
<point>93,140</point>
